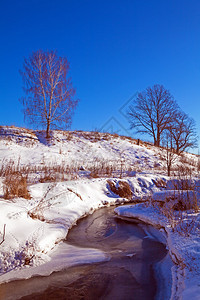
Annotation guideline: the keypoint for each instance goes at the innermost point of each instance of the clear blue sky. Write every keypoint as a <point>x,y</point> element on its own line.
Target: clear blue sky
<point>115,48</point>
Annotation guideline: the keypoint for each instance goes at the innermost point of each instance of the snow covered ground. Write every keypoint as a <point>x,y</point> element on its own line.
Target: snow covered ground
<point>29,241</point>
<point>183,246</point>
<point>81,149</point>
<point>32,230</point>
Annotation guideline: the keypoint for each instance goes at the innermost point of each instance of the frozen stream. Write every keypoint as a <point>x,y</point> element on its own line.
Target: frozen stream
<point>130,272</point>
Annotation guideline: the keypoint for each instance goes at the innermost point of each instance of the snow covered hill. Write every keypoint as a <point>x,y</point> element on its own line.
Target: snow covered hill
<point>74,151</point>
<point>74,148</point>
<point>70,176</point>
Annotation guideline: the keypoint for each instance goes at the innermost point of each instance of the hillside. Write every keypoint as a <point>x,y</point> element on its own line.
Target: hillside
<point>47,186</point>
<point>73,152</point>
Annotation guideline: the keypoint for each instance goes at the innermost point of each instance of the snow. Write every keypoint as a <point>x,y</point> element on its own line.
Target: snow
<point>63,256</point>
<point>35,228</point>
<point>184,250</point>
<point>187,198</point>
<point>26,236</point>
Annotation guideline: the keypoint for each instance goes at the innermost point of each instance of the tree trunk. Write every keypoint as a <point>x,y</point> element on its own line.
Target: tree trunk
<point>177,148</point>
<point>168,170</point>
<point>157,143</point>
<point>47,130</point>
<point>158,139</point>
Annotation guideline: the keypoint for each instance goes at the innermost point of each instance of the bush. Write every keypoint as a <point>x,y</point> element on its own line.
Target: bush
<point>15,185</point>
<point>120,188</point>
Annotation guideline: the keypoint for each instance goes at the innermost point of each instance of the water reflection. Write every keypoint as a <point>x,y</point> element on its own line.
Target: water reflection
<point>129,274</point>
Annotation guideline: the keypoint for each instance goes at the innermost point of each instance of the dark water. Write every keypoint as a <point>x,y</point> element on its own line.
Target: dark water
<point>128,274</point>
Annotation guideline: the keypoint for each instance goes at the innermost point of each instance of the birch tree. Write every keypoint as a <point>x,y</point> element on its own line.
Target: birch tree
<point>50,97</point>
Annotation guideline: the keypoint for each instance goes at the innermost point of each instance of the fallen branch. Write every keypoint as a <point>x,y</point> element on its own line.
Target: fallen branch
<point>4,233</point>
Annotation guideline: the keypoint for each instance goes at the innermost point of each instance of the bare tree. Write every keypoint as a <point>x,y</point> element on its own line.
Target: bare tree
<point>183,131</point>
<point>50,96</point>
<point>152,112</point>
<point>168,153</point>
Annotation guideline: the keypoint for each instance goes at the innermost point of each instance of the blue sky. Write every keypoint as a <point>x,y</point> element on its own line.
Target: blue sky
<point>115,48</point>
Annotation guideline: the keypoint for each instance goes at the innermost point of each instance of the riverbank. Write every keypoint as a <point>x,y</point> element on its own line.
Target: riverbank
<point>35,227</point>
<point>132,265</point>
<point>183,250</point>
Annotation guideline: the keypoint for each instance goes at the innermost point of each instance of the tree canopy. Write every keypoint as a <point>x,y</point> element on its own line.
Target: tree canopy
<point>152,111</point>
<point>50,97</point>
<point>156,113</point>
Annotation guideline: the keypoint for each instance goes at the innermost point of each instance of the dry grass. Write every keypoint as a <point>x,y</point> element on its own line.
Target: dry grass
<point>57,172</point>
<point>121,188</point>
<point>160,183</point>
<point>39,173</point>
<point>15,185</point>
<point>181,207</point>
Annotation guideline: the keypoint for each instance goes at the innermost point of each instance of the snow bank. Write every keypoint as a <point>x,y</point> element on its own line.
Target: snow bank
<point>187,199</point>
<point>63,256</point>
<point>34,227</point>
<point>183,184</point>
<point>184,250</point>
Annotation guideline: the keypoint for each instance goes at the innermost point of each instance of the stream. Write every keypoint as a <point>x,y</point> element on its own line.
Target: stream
<point>129,271</point>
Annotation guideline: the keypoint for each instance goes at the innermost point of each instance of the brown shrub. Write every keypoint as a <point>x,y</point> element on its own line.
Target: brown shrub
<point>94,174</point>
<point>121,188</point>
<point>160,183</point>
<point>15,185</point>
<point>47,178</point>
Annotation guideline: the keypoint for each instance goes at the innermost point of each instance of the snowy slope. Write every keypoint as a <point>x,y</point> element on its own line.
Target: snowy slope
<point>35,228</point>
<point>80,149</point>
<point>74,148</point>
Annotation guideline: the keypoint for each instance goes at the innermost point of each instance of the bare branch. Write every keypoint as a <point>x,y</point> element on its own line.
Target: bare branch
<point>4,233</point>
<point>183,132</point>
<point>50,101</point>
<point>152,111</point>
